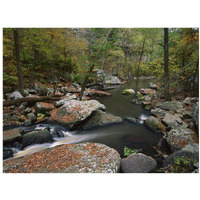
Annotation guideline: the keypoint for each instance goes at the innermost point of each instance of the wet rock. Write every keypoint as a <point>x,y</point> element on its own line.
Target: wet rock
<point>27,123</point>
<point>56,132</point>
<point>15,95</point>
<point>178,138</point>
<point>36,137</point>
<point>171,105</point>
<point>195,114</point>
<point>68,158</point>
<point>147,91</point>
<point>74,111</point>
<point>11,135</point>
<point>100,118</point>
<point>152,123</point>
<point>131,119</point>
<point>128,91</point>
<point>138,163</point>
<point>17,146</point>
<point>7,153</point>
<point>42,107</point>
<point>173,121</point>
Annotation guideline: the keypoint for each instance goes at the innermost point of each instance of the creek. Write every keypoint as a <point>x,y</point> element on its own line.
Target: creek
<point>117,136</point>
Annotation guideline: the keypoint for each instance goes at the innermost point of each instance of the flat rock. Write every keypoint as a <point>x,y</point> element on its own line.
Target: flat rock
<point>100,118</point>
<point>11,135</point>
<point>74,111</point>
<point>138,163</point>
<point>159,113</point>
<point>68,158</point>
<point>174,121</point>
<point>171,105</point>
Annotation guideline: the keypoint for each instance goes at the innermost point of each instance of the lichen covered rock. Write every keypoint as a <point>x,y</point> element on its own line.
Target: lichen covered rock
<point>68,158</point>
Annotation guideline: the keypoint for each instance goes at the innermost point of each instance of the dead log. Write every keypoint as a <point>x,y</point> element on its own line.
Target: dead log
<point>28,99</point>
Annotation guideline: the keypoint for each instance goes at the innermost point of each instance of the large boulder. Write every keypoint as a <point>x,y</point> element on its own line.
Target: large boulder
<point>159,113</point>
<point>178,138</point>
<point>152,123</point>
<point>171,105</point>
<point>138,163</point>
<point>74,111</point>
<point>15,95</point>
<point>11,135</point>
<point>100,118</point>
<point>174,121</point>
<point>36,137</point>
<point>68,158</point>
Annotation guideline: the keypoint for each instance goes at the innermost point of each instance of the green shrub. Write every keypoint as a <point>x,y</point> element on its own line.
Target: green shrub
<point>40,116</point>
<point>128,151</point>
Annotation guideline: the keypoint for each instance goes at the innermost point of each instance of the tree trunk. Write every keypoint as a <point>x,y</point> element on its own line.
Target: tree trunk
<point>21,83</point>
<point>166,68</point>
<point>28,99</point>
<point>141,54</point>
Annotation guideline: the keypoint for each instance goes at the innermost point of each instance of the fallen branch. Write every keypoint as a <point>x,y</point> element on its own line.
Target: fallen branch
<point>28,99</point>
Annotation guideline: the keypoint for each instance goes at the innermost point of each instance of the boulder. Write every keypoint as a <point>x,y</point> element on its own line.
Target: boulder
<point>171,105</point>
<point>27,110</point>
<point>111,80</point>
<point>42,107</point>
<point>152,123</point>
<point>131,119</point>
<point>7,153</point>
<point>11,135</point>
<point>128,91</point>
<point>68,158</point>
<point>32,117</point>
<point>178,138</point>
<point>173,121</point>
<point>10,118</point>
<point>36,137</point>
<point>159,113</point>
<point>147,91</point>
<point>100,118</point>
<point>74,111</point>
<point>138,163</point>
<point>15,95</point>
<point>192,148</point>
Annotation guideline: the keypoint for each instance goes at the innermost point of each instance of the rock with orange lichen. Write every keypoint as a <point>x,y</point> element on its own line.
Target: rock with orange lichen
<point>74,111</point>
<point>67,158</point>
<point>11,135</point>
<point>42,107</point>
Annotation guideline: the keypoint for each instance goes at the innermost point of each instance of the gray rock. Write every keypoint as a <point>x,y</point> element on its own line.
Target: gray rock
<point>23,106</point>
<point>36,137</point>
<point>131,119</point>
<point>174,121</point>
<point>27,122</point>
<point>147,91</point>
<point>32,117</point>
<point>128,91</point>
<point>159,113</point>
<point>152,123</point>
<point>178,138</point>
<point>192,148</point>
<point>32,91</point>
<point>43,107</point>
<point>100,118</point>
<point>15,95</point>
<point>9,118</point>
<point>171,105</point>
<point>138,163</point>
<point>111,80</point>
<point>68,158</point>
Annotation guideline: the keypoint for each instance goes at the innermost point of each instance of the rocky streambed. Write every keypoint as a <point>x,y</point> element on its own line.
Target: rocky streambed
<point>53,137</point>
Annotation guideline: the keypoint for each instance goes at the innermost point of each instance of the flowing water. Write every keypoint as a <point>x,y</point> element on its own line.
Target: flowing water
<point>135,136</point>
